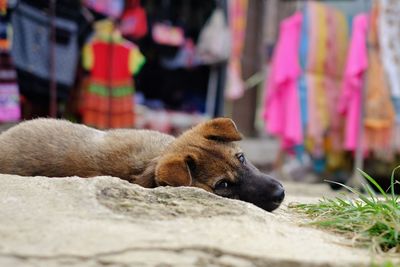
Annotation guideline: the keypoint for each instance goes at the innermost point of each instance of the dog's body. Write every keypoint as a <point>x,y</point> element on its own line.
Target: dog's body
<point>204,157</point>
<point>59,148</point>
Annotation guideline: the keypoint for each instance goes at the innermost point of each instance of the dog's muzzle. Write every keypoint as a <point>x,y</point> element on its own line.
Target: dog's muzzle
<point>260,189</point>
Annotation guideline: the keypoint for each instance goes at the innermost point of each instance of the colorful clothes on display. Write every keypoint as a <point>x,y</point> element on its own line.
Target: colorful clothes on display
<point>214,42</point>
<point>326,55</point>
<point>282,106</point>
<point>134,21</point>
<point>186,57</point>
<point>379,112</point>
<point>3,7</point>
<point>237,12</point>
<point>338,40</point>
<point>31,46</point>
<point>322,54</point>
<point>9,92</point>
<point>108,102</point>
<point>303,53</point>
<point>315,73</point>
<point>4,33</point>
<point>165,34</point>
<point>337,45</point>
<point>112,8</point>
<point>389,38</point>
<point>323,29</point>
<point>356,66</point>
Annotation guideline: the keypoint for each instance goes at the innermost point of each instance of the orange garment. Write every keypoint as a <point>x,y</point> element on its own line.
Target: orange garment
<point>379,111</point>
<point>112,60</point>
<point>237,20</point>
<point>3,7</point>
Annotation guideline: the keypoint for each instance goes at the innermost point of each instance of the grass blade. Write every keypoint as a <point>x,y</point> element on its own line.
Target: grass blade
<point>372,181</point>
<point>392,182</point>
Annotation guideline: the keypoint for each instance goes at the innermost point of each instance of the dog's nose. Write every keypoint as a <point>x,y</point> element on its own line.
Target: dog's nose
<point>279,195</point>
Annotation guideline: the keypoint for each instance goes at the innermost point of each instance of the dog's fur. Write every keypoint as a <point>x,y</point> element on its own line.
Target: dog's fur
<point>205,156</point>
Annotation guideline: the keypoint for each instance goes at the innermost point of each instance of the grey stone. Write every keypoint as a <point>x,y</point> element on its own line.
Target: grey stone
<point>105,221</point>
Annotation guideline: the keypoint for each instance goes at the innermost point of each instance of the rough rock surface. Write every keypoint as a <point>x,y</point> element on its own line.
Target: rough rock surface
<point>108,222</point>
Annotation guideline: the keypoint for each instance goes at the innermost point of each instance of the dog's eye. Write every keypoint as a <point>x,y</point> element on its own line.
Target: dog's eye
<point>241,158</point>
<point>223,184</point>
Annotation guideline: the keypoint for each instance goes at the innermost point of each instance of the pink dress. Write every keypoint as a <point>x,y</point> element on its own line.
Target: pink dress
<point>282,104</point>
<point>357,64</point>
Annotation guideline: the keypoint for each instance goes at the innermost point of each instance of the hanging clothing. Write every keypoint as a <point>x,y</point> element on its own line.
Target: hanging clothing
<point>186,57</point>
<point>9,92</point>
<point>3,7</point>
<point>30,51</point>
<point>213,45</point>
<point>389,39</point>
<point>356,66</point>
<point>337,45</point>
<point>165,34</point>
<point>282,106</point>
<point>134,21</point>
<point>112,8</point>
<point>4,32</point>
<point>237,12</point>
<point>316,73</point>
<point>303,53</point>
<point>389,36</point>
<point>322,53</point>
<point>31,44</point>
<point>379,111</point>
<point>108,102</point>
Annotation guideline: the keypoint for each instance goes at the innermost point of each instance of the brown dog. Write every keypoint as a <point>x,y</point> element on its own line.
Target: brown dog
<point>205,156</point>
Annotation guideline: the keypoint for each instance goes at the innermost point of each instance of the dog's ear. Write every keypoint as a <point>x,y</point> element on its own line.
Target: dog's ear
<point>175,170</point>
<point>221,129</point>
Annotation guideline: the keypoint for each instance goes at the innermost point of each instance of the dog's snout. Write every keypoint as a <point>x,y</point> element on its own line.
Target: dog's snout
<point>263,191</point>
<point>278,195</point>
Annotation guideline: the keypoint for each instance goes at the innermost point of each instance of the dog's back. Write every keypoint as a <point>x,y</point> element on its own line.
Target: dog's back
<point>60,148</point>
<point>39,146</point>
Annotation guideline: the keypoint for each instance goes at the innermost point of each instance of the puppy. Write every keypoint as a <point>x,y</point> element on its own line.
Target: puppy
<point>205,156</point>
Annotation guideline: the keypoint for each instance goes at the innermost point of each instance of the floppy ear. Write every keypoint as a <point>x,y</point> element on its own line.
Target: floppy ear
<point>221,129</point>
<point>175,170</point>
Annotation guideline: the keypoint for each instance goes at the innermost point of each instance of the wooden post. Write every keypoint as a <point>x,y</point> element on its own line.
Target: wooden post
<point>244,109</point>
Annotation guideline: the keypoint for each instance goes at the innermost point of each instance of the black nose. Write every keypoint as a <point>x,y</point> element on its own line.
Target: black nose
<point>278,195</point>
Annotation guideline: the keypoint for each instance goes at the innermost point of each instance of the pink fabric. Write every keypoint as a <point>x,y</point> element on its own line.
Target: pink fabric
<point>282,104</point>
<point>357,63</point>
<point>9,103</point>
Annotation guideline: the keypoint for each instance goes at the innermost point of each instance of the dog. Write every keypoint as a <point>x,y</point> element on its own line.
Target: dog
<point>206,156</point>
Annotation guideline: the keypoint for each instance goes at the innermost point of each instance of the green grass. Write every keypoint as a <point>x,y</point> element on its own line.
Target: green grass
<point>369,219</point>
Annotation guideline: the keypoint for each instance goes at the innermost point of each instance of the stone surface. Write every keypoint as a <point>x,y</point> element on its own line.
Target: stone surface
<point>104,221</point>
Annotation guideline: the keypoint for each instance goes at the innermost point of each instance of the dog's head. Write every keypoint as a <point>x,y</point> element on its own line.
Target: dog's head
<point>207,157</point>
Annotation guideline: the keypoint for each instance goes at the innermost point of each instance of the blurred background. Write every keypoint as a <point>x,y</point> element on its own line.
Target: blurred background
<point>314,86</point>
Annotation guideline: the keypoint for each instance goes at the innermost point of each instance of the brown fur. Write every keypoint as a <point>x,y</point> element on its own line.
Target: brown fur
<point>200,157</point>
